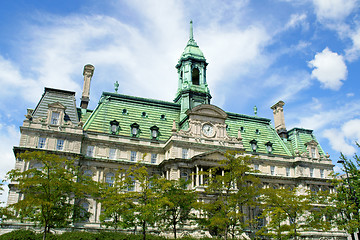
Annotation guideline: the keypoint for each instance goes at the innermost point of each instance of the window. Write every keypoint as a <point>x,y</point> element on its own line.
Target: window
<point>184,175</point>
<point>256,166</point>
<point>124,111</point>
<point>55,118</point>
<point>185,153</point>
<point>272,170</point>
<point>143,114</point>
<point>112,153</point>
<point>84,211</point>
<point>109,179</point>
<point>287,171</point>
<point>60,144</point>
<point>153,158</point>
<point>88,173</point>
<point>133,156</point>
<point>195,76</point>
<point>313,152</point>
<point>162,117</point>
<point>322,173</point>
<point>311,172</point>
<point>42,142</point>
<point>131,186</point>
<point>90,151</point>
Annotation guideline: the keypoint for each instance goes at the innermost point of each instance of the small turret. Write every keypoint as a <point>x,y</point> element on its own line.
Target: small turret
<point>88,73</point>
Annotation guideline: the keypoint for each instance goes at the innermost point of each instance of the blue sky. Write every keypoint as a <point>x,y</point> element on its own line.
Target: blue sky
<point>304,52</point>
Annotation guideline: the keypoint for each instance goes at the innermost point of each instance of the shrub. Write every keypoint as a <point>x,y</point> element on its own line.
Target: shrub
<point>21,234</point>
<point>77,236</point>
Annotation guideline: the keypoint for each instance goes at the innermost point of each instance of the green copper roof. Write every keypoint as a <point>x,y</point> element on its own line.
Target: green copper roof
<point>192,50</point>
<point>299,137</point>
<point>258,129</point>
<point>128,110</point>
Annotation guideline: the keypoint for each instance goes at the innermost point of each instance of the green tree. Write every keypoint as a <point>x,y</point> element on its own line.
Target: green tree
<point>49,190</point>
<point>231,188</point>
<point>347,195</point>
<point>287,211</point>
<point>126,207</point>
<point>176,203</point>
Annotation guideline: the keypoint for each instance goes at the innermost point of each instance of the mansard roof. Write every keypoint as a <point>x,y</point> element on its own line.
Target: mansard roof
<point>52,96</point>
<point>299,138</point>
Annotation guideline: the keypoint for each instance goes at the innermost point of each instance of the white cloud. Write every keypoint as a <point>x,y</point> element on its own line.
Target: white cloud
<point>350,94</point>
<point>329,69</point>
<point>344,138</point>
<point>9,137</point>
<point>334,9</point>
<point>353,52</point>
<point>297,20</point>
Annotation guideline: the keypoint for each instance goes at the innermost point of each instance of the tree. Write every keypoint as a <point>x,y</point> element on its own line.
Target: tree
<point>231,188</point>
<point>49,190</point>
<point>286,210</point>
<point>347,196</point>
<point>127,207</point>
<point>176,203</point>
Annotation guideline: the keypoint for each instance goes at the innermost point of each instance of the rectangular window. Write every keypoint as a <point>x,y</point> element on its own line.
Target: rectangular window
<point>90,151</point>
<point>133,156</point>
<point>112,153</point>
<point>153,158</point>
<point>60,145</point>
<point>131,186</point>
<point>55,118</point>
<point>185,153</point>
<point>42,142</point>
<point>313,152</point>
<point>322,173</point>
<point>256,166</point>
<point>311,172</point>
<point>287,171</point>
<point>272,170</point>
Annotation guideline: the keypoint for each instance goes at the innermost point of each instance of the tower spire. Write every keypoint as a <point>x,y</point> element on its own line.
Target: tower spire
<point>191,31</point>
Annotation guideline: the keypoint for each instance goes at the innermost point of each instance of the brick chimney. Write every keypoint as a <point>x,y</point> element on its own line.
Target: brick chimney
<point>279,119</point>
<point>88,73</point>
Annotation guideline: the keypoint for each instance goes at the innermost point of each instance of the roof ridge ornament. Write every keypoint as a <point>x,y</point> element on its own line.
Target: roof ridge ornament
<point>191,36</point>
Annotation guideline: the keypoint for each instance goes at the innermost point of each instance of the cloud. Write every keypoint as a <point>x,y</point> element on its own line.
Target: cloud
<point>343,139</point>
<point>297,20</point>
<point>9,137</point>
<point>329,69</point>
<point>334,9</point>
<point>353,52</point>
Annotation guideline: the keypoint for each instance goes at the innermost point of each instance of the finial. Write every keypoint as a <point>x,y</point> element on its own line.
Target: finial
<point>116,85</point>
<point>255,110</point>
<point>173,129</point>
<point>191,30</point>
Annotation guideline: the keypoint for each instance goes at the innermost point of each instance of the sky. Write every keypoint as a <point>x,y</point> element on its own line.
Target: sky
<point>303,52</point>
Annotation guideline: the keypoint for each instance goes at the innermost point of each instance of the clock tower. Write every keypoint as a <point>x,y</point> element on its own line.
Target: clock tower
<point>192,86</point>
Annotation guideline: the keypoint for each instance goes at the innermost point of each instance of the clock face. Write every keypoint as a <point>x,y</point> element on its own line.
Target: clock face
<point>208,130</point>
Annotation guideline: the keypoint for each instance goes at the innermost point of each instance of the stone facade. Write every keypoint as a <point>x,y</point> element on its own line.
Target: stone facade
<point>175,139</point>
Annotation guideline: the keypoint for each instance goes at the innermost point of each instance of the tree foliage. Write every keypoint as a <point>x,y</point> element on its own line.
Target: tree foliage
<point>48,191</point>
<point>231,187</point>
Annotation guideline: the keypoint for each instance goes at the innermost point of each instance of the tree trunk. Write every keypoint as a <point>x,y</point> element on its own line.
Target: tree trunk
<point>45,230</point>
<point>144,230</point>
<point>174,228</point>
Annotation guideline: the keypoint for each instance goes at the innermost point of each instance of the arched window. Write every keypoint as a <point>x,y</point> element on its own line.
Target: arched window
<point>88,173</point>
<point>195,76</point>
<point>109,179</point>
<point>84,211</point>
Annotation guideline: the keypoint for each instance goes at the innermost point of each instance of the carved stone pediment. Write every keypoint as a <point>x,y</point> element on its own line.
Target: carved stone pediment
<point>213,155</point>
<point>56,105</point>
<point>311,143</point>
<point>207,110</point>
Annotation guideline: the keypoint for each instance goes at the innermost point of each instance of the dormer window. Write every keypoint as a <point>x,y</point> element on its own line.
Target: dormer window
<point>312,149</point>
<point>154,132</point>
<point>114,126</point>
<point>143,114</point>
<point>253,144</point>
<point>242,129</point>
<point>257,131</point>
<point>124,111</point>
<point>162,117</point>
<point>269,147</point>
<point>55,116</point>
<point>134,129</point>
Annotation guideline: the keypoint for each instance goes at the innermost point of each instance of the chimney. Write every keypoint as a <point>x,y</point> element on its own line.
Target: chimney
<point>279,119</point>
<point>88,73</point>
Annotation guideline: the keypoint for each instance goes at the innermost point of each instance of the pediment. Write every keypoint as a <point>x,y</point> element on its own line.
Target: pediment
<point>213,155</point>
<point>57,105</point>
<point>207,110</point>
<point>311,143</point>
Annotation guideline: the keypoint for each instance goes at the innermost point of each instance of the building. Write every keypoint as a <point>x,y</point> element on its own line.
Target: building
<point>177,139</point>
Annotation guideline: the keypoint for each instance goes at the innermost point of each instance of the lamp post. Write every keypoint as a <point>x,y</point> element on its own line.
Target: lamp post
<point>352,196</point>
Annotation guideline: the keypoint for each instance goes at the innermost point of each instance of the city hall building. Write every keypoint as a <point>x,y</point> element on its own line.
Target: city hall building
<point>176,139</point>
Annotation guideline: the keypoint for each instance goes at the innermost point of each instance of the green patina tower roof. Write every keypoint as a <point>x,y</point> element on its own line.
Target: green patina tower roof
<point>192,50</point>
